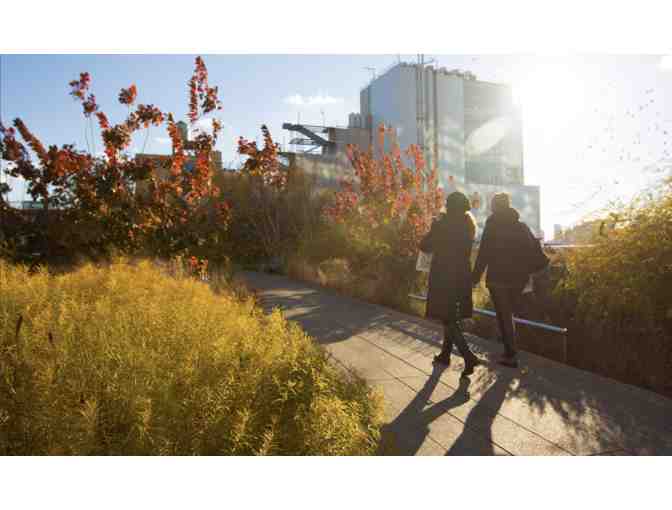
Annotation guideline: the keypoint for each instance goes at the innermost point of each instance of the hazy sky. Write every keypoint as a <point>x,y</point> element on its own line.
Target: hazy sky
<point>592,125</point>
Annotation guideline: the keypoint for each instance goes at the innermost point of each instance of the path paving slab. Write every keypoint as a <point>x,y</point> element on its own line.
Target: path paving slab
<point>542,408</point>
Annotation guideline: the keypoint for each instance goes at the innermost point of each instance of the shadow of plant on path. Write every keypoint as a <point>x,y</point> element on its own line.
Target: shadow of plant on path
<point>320,311</point>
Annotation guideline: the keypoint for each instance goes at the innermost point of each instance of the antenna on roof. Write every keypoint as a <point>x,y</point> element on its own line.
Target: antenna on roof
<point>423,62</point>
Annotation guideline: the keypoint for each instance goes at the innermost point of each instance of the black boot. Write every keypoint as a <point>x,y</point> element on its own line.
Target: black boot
<point>470,361</point>
<point>443,357</point>
<point>446,349</point>
<point>454,332</point>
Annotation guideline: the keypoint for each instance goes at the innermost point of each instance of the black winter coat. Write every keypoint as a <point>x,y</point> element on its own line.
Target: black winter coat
<point>449,241</point>
<point>505,244</point>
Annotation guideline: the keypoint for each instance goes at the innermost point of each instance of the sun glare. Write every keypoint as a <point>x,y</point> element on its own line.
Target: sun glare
<point>549,95</point>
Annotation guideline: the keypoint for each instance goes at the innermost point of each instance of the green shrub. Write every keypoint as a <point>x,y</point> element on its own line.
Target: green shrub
<point>128,360</point>
<point>267,223</point>
<point>360,261</point>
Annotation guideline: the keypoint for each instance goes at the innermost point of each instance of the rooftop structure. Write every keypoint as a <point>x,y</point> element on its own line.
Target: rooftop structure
<point>469,129</point>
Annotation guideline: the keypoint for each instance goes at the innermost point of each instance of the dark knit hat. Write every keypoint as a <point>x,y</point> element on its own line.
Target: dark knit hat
<point>457,202</point>
<point>500,201</point>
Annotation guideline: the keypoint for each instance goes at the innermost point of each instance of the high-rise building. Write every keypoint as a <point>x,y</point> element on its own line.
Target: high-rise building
<point>470,129</point>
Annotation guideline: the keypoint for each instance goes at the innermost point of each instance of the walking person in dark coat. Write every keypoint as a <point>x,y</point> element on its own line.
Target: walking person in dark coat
<point>450,241</point>
<point>509,253</point>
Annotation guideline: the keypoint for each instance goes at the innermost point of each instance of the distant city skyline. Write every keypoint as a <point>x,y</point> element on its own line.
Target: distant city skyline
<point>591,124</point>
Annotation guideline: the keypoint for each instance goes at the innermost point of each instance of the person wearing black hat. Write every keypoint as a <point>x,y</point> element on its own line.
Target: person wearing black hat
<point>510,253</point>
<point>449,300</point>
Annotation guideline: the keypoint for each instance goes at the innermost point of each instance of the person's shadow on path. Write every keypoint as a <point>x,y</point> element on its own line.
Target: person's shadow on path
<point>409,430</point>
<point>476,436</point>
<point>406,434</point>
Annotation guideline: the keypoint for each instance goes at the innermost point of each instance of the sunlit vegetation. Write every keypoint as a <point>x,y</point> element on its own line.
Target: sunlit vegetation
<point>148,358</point>
<point>131,360</point>
<point>621,290</point>
<point>368,241</point>
<point>90,205</point>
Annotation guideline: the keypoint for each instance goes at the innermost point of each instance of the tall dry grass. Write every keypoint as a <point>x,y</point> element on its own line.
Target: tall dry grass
<point>621,291</point>
<point>128,360</point>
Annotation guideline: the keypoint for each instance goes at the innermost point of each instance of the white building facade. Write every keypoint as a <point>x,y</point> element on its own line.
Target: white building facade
<point>470,129</point>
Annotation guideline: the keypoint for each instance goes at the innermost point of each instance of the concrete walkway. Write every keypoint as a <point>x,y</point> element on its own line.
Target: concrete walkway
<point>542,408</point>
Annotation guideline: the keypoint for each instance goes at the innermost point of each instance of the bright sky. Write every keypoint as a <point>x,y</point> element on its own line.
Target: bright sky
<point>594,128</point>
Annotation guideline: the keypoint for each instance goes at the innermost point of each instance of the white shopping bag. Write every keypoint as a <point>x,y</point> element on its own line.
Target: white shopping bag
<point>424,262</point>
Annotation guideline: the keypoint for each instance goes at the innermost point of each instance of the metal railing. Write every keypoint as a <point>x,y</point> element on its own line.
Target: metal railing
<point>566,246</point>
<point>533,324</point>
<point>25,204</point>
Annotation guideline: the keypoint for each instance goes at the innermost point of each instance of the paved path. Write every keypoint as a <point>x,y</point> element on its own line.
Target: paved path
<point>542,408</point>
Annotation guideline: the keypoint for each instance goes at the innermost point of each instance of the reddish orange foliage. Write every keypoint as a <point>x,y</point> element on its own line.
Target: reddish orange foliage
<point>79,90</point>
<point>102,120</point>
<point>201,95</point>
<point>100,192</point>
<point>32,141</point>
<point>386,189</point>
<point>79,87</point>
<point>263,163</point>
<point>127,96</point>
<point>144,116</point>
<point>55,165</point>
<point>179,157</point>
